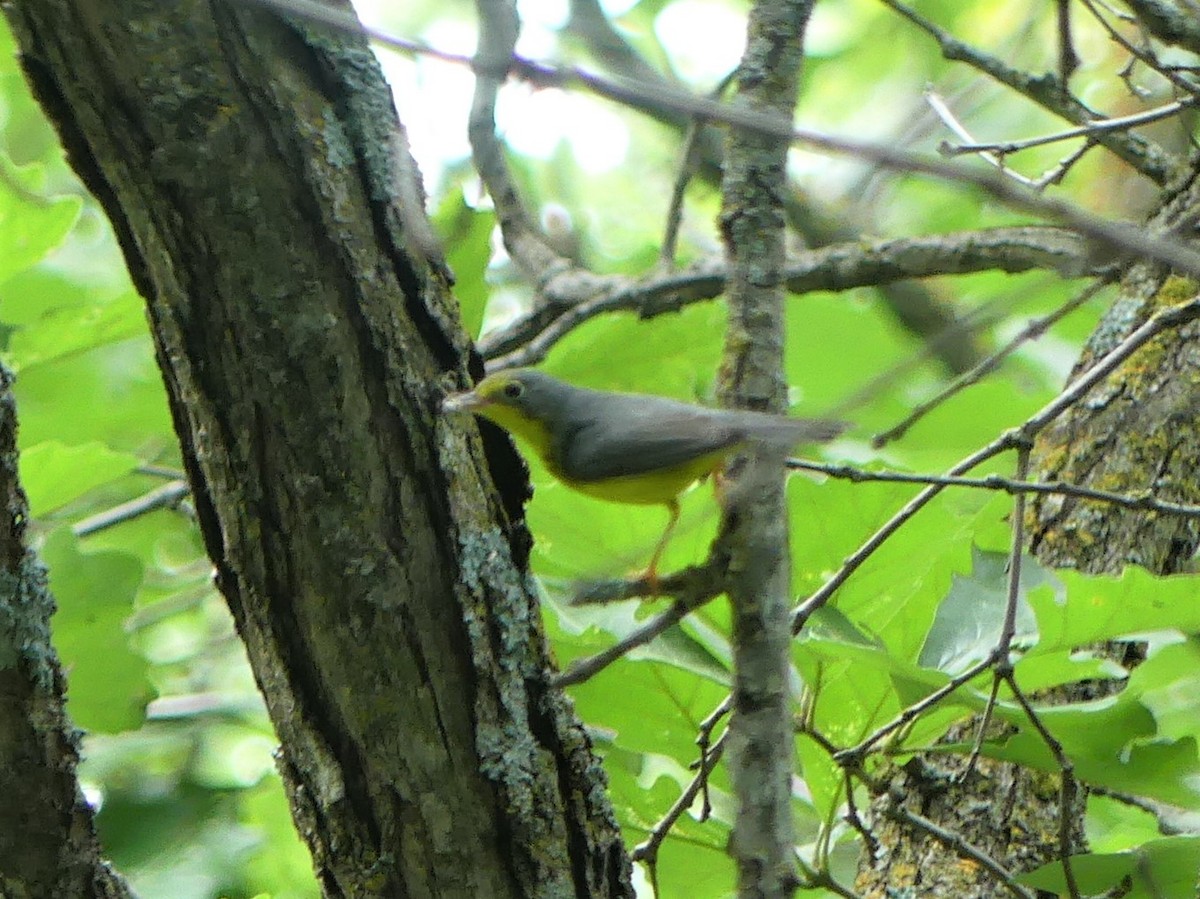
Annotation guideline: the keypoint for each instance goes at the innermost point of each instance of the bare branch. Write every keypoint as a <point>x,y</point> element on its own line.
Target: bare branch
<point>166,496</point>
<point>964,848</point>
<point>499,27</point>
<point>1143,502</point>
<point>1049,92</point>
<point>1109,235</point>
<point>1167,22</point>
<point>838,267</point>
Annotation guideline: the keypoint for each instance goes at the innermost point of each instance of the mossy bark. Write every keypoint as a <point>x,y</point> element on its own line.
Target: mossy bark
<point>48,845</point>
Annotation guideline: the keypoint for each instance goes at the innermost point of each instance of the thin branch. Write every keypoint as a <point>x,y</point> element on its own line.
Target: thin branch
<point>1069,789</point>
<point>499,27</point>
<point>1049,92</point>
<point>1142,502</point>
<point>166,496</point>
<point>963,847</point>
<point>1068,59</point>
<point>996,160</point>
<point>914,306</point>
<point>704,742</point>
<point>817,879</point>
<point>852,756</point>
<point>674,217</point>
<point>1011,602</point>
<point>1167,318</point>
<point>688,161</point>
<point>582,669</point>
<point>1031,331</point>
<point>1118,236</point>
<point>646,851</point>
<point>1168,23</point>
<point>1146,57</point>
<point>1091,129</point>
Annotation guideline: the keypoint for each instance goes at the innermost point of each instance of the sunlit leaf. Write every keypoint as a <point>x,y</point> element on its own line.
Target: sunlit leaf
<point>109,688</point>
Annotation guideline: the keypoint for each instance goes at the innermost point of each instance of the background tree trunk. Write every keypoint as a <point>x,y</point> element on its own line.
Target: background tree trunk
<point>256,176</point>
<point>48,843</point>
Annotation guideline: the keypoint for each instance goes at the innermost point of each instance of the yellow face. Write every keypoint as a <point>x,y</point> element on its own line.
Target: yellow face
<point>496,398</point>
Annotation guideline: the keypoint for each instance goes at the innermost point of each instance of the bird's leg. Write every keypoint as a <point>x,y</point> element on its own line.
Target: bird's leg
<point>651,575</point>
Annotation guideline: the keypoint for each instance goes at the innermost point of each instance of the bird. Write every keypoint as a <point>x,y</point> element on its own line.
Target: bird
<point>628,447</point>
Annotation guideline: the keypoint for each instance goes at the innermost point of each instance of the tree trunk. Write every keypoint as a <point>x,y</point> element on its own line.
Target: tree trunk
<point>269,212</point>
<point>48,844</point>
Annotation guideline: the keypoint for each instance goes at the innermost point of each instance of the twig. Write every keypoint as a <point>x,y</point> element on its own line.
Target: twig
<point>964,848</point>
<point>160,497</point>
<point>1031,331</point>
<point>585,668</point>
<point>1143,502</point>
<point>1090,129</point>
<point>1122,236</point>
<point>687,165</point>
<point>820,878</point>
<point>692,587</point>
<point>1143,56</point>
<point>688,159</point>
<point>1069,788</point>
<point>1160,321</point>
<point>950,121</point>
<point>704,742</point>
<point>914,306</point>
<point>646,851</point>
<point>1068,59</point>
<point>1050,93</point>
<point>996,153</point>
<point>855,820</point>
<point>499,27</point>
<point>1011,601</point>
<point>853,756</point>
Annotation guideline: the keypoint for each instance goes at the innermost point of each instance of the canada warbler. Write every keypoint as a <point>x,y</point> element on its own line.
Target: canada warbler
<point>627,447</point>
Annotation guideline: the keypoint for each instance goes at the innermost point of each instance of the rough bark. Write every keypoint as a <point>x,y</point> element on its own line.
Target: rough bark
<point>48,845</point>
<point>268,209</point>
<point>1136,432</point>
<point>752,223</point>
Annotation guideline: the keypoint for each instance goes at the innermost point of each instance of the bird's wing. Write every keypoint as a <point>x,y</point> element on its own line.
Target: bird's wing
<point>642,437</point>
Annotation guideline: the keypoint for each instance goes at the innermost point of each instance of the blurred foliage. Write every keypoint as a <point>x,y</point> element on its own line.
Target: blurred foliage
<point>179,747</point>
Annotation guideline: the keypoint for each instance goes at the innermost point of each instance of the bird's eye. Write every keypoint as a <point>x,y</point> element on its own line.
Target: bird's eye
<point>514,389</point>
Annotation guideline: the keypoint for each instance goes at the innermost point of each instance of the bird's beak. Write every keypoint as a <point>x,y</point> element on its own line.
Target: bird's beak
<point>463,402</point>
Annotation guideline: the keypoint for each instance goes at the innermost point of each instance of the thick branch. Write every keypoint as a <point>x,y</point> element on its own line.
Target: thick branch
<point>839,267</point>
<point>761,742</point>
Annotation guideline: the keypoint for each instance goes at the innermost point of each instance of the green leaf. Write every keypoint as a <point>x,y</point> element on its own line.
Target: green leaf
<point>1111,743</point>
<point>109,688</point>
<point>466,233</point>
<point>69,329</point>
<point>1099,607</point>
<point>970,619</point>
<point>33,225</point>
<point>1158,868</point>
<point>55,474</point>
